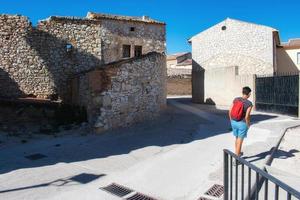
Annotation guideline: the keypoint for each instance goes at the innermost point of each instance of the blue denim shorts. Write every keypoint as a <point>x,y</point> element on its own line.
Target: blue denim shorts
<point>239,129</point>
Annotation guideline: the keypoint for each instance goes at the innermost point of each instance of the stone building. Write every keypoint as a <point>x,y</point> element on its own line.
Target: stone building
<point>288,56</point>
<point>41,61</point>
<point>122,92</point>
<point>229,54</point>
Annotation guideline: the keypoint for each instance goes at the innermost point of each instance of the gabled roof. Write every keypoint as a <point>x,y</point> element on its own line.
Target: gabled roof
<point>228,20</point>
<point>237,20</point>
<point>144,19</point>
<point>176,55</point>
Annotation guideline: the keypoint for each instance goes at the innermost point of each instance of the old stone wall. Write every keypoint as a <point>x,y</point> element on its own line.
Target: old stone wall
<point>16,58</point>
<point>55,34</point>
<point>179,85</point>
<point>235,43</point>
<point>36,58</point>
<point>125,92</point>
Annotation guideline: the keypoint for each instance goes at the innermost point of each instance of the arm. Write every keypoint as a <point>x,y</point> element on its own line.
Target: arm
<point>247,117</point>
<point>229,112</point>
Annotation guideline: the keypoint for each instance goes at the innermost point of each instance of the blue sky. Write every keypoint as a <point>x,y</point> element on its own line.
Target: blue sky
<point>184,18</point>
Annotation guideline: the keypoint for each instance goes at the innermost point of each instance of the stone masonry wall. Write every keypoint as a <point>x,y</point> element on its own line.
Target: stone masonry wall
<point>36,59</point>
<point>15,60</point>
<point>54,34</point>
<point>124,93</point>
<point>248,46</point>
<point>115,34</point>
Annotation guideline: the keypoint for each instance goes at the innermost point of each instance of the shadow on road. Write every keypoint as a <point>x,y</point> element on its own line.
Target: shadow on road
<point>174,126</point>
<point>74,180</point>
<point>280,154</point>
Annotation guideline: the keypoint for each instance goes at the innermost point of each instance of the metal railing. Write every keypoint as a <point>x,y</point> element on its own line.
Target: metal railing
<point>255,184</point>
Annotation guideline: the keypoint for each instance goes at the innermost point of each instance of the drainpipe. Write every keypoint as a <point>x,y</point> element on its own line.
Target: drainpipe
<point>274,53</point>
<point>299,96</point>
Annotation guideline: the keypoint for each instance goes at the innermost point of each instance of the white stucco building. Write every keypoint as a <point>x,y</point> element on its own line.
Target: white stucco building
<point>227,55</point>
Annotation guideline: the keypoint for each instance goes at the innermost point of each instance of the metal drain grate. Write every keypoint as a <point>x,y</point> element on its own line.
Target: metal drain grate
<point>117,190</point>
<point>215,191</point>
<point>204,198</point>
<point>139,196</point>
<point>36,156</point>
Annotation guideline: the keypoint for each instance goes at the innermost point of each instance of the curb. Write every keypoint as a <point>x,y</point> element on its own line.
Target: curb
<point>269,160</point>
<point>270,157</point>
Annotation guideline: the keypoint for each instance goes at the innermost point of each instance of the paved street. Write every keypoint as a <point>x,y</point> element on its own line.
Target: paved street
<point>175,157</point>
<point>285,165</point>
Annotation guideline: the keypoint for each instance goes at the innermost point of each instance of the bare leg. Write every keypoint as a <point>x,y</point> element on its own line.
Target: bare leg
<point>238,146</point>
<point>235,147</point>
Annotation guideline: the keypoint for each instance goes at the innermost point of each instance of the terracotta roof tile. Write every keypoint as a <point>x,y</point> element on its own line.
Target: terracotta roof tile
<point>292,43</point>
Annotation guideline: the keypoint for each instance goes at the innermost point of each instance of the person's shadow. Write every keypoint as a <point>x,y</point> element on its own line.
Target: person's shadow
<point>280,154</point>
<point>82,178</point>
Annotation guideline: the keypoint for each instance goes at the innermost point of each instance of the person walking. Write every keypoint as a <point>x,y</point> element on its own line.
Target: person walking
<point>239,114</point>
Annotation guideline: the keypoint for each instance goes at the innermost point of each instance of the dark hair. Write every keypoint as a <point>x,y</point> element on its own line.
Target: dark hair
<point>246,90</point>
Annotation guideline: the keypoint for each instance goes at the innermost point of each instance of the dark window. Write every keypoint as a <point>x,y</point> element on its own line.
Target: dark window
<point>126,51</point>
<point>137,51</point>
<point>132,29</point>
<point>224,28</point>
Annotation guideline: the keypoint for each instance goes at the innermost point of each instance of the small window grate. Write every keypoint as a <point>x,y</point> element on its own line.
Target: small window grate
<point>139,196</point>
<point>215,191</point>
<point>36,156</point>
<point>117,190</point>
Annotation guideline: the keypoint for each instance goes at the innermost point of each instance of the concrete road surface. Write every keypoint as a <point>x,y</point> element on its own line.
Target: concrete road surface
<point>175,157</point>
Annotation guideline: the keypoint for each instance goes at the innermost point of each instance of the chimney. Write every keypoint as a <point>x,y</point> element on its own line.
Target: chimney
<point>145,18</point>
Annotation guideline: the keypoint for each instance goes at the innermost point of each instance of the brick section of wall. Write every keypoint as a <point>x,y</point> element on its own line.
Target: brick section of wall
<point>124,93</point>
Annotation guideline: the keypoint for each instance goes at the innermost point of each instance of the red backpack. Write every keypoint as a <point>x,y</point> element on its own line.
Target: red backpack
<point>237,110</point>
